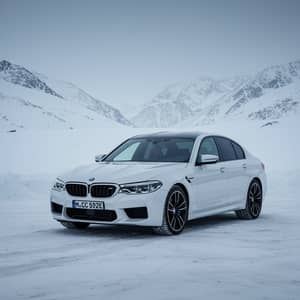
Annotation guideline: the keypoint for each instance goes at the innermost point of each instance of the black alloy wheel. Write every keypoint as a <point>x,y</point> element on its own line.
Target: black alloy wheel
<point>176,212</point>
<point>254,202</point>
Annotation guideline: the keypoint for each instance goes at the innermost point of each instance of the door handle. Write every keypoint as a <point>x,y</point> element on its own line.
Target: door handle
<point>244,166</point>
<point>222,170</point>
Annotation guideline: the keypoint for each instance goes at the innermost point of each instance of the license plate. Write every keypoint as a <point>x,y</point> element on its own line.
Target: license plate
<point>88,204</point>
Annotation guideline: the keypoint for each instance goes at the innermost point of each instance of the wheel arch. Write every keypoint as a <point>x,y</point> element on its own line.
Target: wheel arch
<point>180,185</point>
<point>183,187</point>
<point>259,181</point>
<point>261,184</point>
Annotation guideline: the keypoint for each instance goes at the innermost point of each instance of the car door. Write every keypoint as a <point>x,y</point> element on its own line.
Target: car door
<point>234,172</point>
<point>208,179</point>
<point>241,164</point>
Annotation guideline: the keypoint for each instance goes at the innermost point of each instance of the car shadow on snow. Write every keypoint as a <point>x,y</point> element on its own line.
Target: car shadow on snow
<point>212,221</point>
<point>228,222</point>
<point>124,231</point>
<point>109,231</point>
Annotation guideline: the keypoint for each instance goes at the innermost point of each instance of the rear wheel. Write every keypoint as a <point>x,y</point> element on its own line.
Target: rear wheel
<point>74,225</point>
<point>254,202</point>
<point>175,213</point>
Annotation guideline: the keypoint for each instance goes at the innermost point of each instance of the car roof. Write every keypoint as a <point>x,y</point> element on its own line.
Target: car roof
<point>171,134</point>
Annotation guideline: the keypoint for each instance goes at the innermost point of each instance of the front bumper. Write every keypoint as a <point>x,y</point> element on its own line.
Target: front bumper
<point>119,209</point>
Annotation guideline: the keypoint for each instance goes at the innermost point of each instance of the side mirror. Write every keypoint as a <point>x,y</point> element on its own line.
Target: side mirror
<point>99,157</point>
<point>208,159</point>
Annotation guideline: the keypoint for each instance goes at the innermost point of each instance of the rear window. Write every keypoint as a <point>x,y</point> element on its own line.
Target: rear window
<point>226,149</point>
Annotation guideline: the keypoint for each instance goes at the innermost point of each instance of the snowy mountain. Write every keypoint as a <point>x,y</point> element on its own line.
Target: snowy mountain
<point>269,95</point>
<point>269,80</point>
<point>181,101</point>
<point>72,92</point>
<point>30,99</point>
<point>18,75</point>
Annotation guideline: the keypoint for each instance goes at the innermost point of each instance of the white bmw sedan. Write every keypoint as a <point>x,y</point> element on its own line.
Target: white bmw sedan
<point>162,180</point>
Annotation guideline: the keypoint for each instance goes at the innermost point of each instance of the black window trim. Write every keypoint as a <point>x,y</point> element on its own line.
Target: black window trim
<point>234,142</point>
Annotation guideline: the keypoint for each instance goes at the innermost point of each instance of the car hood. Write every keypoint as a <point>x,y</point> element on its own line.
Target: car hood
<point>119,173</point>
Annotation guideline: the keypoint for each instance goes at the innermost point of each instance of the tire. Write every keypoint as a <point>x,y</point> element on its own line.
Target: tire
<point>74,225</point>
<point>254,202</point>
<point>175,212</point>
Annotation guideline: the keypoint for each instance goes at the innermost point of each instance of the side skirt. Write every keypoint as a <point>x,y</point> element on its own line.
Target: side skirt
<point>215,210</point>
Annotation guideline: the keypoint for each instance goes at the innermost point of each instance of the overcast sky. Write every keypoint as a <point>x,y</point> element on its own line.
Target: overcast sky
<point>126,51</point>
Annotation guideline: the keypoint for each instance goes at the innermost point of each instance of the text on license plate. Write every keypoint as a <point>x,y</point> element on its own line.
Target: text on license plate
<point>88,204</point>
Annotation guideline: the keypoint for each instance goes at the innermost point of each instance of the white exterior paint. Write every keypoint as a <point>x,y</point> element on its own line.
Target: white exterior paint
<point>214,188</point>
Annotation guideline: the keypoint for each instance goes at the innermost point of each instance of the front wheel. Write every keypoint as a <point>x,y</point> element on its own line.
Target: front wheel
<point>175,213</point>
<point>254,202</point>
<point>74,225</point>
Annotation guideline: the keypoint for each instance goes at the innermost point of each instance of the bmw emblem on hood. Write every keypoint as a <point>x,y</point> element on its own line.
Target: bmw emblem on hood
<point>92,179</point>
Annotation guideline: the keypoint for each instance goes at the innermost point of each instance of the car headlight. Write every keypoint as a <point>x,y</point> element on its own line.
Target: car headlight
<point>59,185</point>
<point>143,187</point>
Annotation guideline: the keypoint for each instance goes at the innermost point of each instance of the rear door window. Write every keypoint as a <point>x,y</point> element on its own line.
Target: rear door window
<point>226,149</point>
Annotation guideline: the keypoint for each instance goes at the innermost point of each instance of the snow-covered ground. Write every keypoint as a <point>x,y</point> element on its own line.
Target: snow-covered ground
<point>218,257</point>
<point>215,258</point>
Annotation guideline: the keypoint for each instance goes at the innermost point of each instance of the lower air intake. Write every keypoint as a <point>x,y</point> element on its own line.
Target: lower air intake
<point>56,208</point>
<point>137,212</point>
<point>92,214</point>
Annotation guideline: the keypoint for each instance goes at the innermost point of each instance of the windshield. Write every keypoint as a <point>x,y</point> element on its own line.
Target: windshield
<point>153,150</point>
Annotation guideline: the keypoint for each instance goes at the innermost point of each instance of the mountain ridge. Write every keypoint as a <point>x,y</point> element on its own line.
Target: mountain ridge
<point>268,95</point>
<point>20,76</point>
<point>204,100</point>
